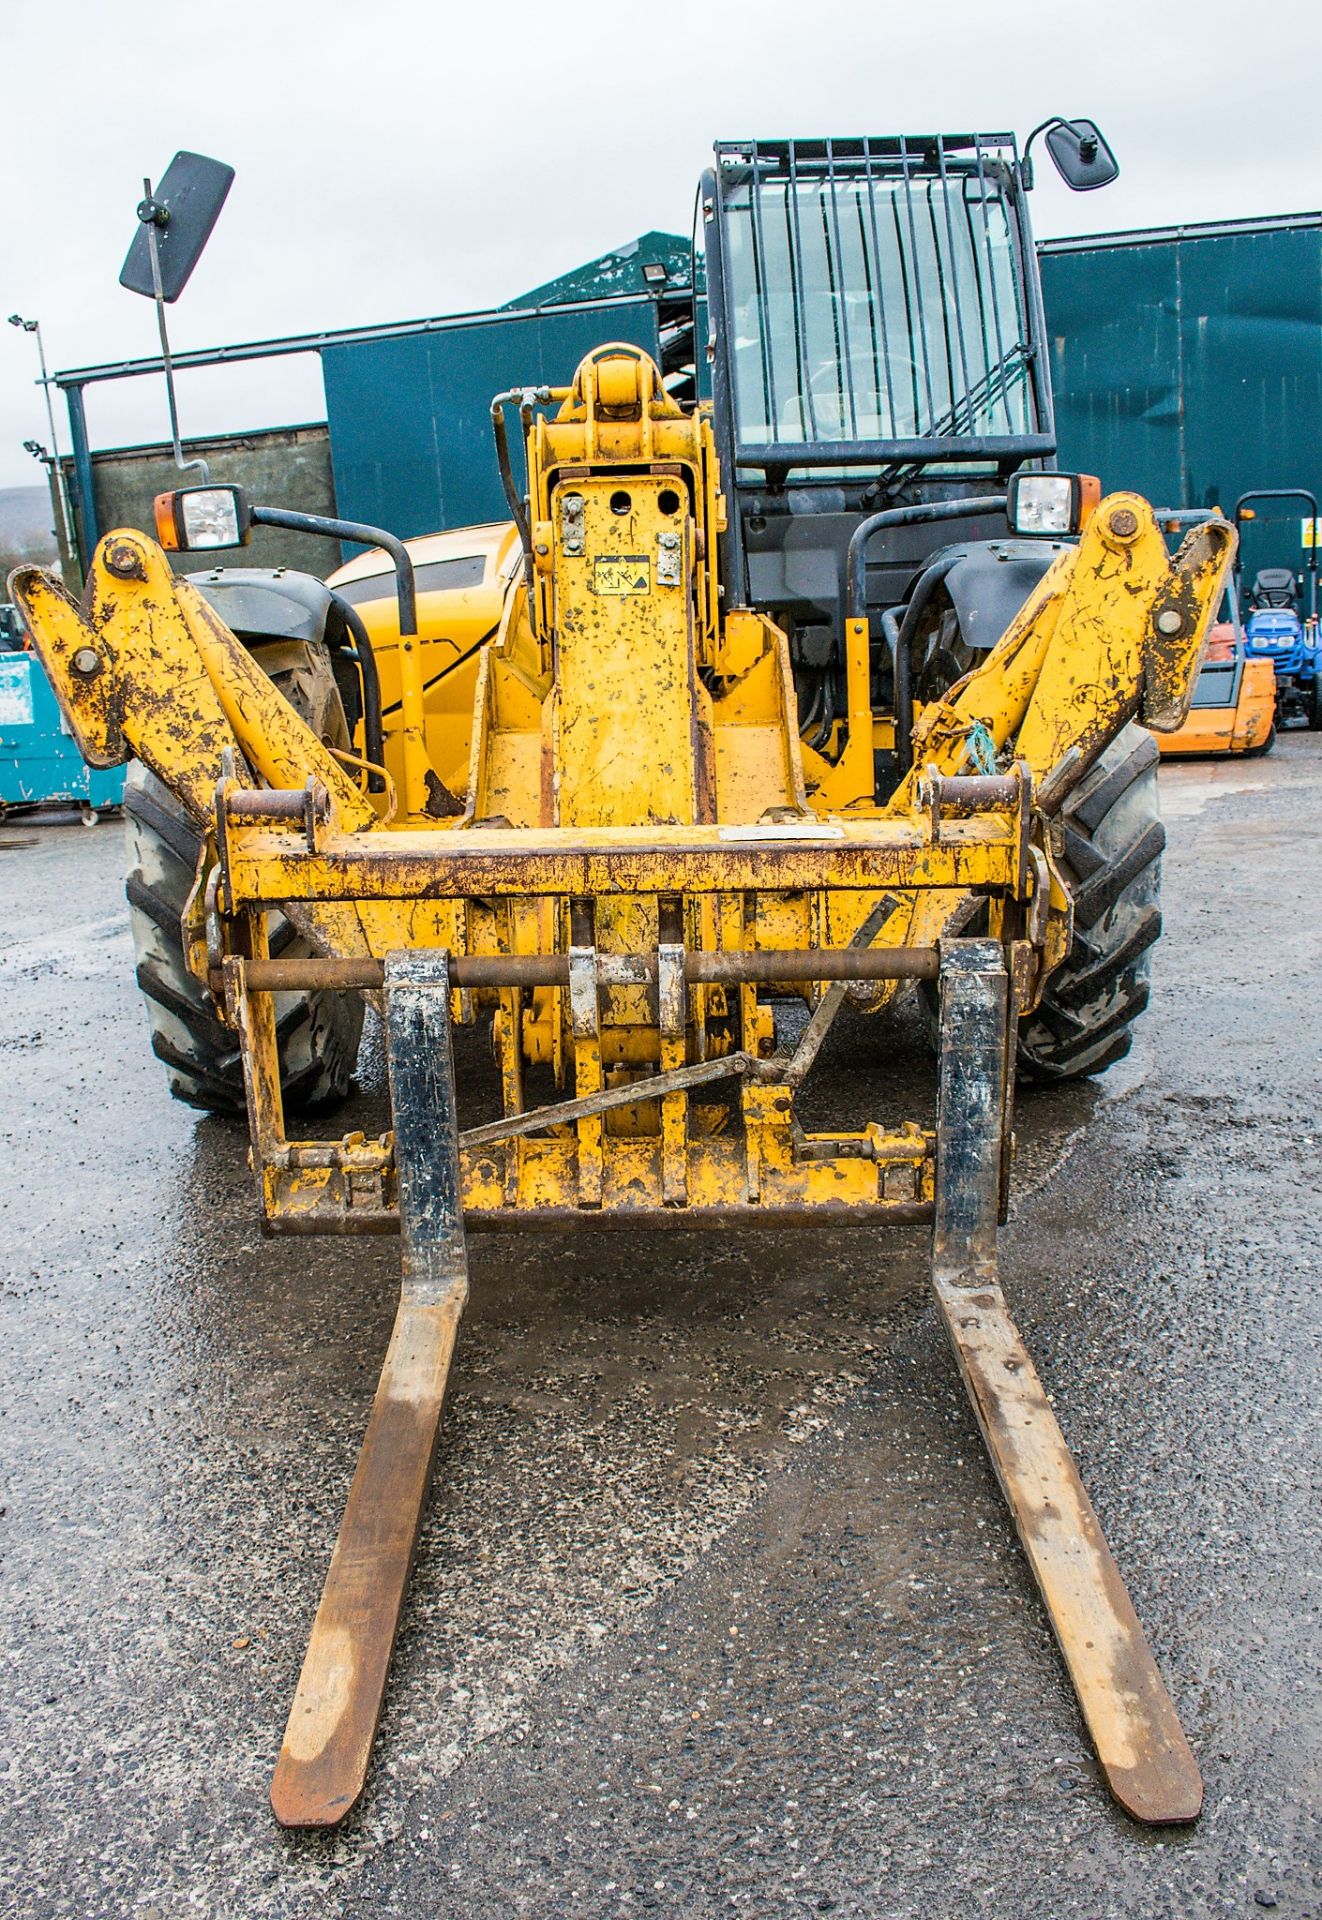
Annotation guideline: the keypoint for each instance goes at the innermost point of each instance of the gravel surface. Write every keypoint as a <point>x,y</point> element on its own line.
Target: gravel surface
<point>717,1609</point>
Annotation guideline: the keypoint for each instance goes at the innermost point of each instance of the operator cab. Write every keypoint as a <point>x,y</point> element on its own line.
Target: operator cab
<point>877,342</point>
<point>874,339</point>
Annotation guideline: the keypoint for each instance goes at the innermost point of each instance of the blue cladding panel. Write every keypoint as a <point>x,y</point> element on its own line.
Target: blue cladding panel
<point>1191,369</point>
<point>1253,379</point>
<point>1112,321</point>
<point>409,418</point>
<point>380,409</point>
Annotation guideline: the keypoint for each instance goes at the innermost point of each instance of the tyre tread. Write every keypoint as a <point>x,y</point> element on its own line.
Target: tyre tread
<point>316,1033</point>
<point>1112,841</point>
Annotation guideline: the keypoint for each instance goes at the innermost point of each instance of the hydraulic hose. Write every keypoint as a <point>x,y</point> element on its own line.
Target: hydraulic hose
<point>525,397</point>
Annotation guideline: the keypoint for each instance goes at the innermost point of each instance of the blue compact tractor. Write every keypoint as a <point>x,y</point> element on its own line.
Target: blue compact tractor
<point>1277,629</point>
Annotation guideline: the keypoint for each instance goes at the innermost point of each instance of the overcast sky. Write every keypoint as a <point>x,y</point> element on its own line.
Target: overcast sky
<point>396,160</point>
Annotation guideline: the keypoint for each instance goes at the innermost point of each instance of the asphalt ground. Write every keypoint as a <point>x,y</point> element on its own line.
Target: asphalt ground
<point>717,1609</point>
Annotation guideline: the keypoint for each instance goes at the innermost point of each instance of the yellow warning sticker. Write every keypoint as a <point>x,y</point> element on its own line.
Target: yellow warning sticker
<point>628,573</point>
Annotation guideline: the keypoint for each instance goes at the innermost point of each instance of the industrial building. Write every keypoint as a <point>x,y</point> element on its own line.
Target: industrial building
<point>1186,362</point>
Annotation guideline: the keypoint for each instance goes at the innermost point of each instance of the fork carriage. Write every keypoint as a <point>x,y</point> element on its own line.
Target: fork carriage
<point>640,1147</point>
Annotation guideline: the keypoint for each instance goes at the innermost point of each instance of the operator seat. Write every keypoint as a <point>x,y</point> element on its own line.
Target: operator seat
<point>1274,587</point>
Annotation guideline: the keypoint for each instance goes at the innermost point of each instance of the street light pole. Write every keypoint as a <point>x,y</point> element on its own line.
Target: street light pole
<point>64,534</point>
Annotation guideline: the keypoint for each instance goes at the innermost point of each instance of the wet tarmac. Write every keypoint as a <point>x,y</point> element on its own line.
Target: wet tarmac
<point>717,1609</point>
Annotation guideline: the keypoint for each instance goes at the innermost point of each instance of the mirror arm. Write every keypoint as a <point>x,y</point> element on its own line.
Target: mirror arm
<point>154,216</point>
<point>1025,159</point>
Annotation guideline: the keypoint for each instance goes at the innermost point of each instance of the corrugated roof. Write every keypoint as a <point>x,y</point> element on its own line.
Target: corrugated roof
<point>620,271</point>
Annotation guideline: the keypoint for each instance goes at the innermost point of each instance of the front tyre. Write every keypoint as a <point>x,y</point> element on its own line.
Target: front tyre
<point>317,1033</point>
<point>1113,840</point>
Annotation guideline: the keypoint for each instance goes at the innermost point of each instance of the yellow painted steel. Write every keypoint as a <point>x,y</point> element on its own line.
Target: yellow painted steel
<point>629,737</point>
<point>1114,630</point>
<point>627,778</point>
<point>852,856</point>
<point>145,668</point>
<point>456,623</point>
<point>137,687</point>
<point>167,682</point>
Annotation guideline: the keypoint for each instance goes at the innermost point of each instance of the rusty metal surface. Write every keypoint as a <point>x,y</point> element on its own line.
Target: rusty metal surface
<point>828,1008</point>
<point>971,789</point>
<point>332,1723</point>
<point>974,1076</point>
<point>750,1217</point>
<point>327,1746</point>
<point>274,803</point>
<point>1125,1704</point>
<point>654,1086</point>
<point>863,856</point>
<point>552,969</point>
<point>751,1170</point>
<point>1177,623</point>
<point>1147,1761</point>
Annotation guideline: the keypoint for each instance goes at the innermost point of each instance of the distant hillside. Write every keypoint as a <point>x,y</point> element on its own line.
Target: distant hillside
<point>25,528</point>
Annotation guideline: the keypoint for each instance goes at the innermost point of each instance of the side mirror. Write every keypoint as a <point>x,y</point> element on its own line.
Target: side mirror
<point>179,216</point>
<point>202,519</point>
<point>1081,156</point>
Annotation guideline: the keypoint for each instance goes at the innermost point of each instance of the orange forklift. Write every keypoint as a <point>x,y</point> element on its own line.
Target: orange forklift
<point>1233,707</point>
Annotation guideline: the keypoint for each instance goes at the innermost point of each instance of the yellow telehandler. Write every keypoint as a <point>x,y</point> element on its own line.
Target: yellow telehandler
<point>822,687</point>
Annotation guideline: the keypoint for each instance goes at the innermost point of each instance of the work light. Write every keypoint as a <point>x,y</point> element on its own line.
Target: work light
<point>199,519</point>
<point>1051,503</point>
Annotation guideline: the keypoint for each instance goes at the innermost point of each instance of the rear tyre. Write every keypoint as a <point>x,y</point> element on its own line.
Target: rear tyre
<point>1263,746</point>
<point>1113,840</point>
<point>317,1033</point>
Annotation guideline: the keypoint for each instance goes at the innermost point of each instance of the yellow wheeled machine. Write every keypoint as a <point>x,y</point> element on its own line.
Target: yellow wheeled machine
<point>735,738</point>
